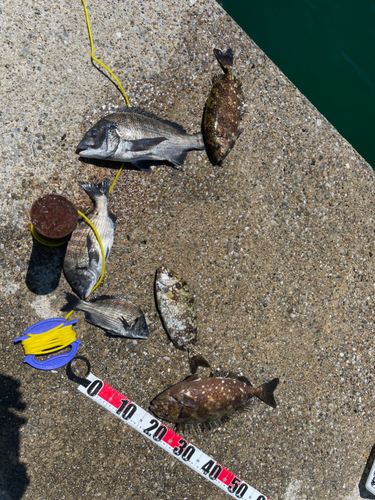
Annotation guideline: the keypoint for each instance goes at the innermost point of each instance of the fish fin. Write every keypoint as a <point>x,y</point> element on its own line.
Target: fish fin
<point>126,325</point>
<point>188,401</point>
<point>90,319</point>
<point>95,191</point>
<point>225,59</point>
<point>73,303</point>
<point>141,111</point>
<point>104,297</point>
<point>265,392</point>
<point>192,377</point>
<point>179,159</point>
<point>197,361</point>
<point>145,144</point>
<point>223,374</point>
<point>144,165</point>
<point>245,380</point>
<point>140,328</point>
<point>247,406</point>
<point>113,219</point>
<point>94,255</point>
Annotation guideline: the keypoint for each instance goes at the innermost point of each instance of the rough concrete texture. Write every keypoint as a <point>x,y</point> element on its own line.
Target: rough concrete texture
<point>277,245</point>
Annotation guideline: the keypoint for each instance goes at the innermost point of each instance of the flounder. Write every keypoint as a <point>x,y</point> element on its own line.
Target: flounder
<point>223,111</point>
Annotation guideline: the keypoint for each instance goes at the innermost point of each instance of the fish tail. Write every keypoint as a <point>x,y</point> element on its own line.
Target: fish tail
<point>198,137</point>
<point>265,392</point>
<point>73,303</point>
<point>225,59</point>
<point>96,191</point>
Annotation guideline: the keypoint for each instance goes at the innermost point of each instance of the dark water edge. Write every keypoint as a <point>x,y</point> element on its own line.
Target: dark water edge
<point>326,48</point>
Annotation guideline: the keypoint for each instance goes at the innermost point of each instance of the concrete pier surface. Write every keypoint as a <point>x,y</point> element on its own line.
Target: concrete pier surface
<point>277,245</point>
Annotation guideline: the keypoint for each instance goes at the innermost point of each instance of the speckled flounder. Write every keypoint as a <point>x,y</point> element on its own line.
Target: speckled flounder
<point>207,402</point>
<point>176,305</point>
<point>83,260</point>
<point>223,111</point>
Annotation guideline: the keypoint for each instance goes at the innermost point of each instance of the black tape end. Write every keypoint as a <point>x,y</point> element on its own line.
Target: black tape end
<point>75,378</point>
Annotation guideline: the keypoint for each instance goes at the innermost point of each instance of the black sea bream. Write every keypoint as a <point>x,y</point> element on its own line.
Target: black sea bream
<point>83,259</point>
<point>114,315</point>
<point>139,137</point>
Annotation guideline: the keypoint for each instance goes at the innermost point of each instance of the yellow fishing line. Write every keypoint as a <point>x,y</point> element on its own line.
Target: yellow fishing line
<point>41,240</point>
<point>57,338</point>
<point>61,336</point>
<point>101,247</point>
<point>97,60</point>
<point>115,179</point>
<point>50,341</point>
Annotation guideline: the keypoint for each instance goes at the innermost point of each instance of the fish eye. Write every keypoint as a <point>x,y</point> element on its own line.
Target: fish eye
<point>166,414</point>
<point>93,133</point>
<point>170,275</point>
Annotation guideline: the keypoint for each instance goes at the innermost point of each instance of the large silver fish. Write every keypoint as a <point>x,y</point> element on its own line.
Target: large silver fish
<point>83,259</point>
<point>176,305</point>
<point>139,137</point>
<point>114,315</point>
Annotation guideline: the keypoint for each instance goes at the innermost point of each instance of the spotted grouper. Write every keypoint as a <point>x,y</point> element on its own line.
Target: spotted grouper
<point>210,401</point>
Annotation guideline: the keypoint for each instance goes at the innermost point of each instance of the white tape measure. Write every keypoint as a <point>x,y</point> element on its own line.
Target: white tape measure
<point>370,483</point>
<point>177,446</point>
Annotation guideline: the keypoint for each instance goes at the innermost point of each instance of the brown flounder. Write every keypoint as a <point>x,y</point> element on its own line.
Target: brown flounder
<point>208,402</point>
<point>223,111</point>
<point>176,305</point>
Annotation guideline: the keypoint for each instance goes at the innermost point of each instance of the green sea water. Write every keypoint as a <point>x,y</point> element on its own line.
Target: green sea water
<point>327,49</point>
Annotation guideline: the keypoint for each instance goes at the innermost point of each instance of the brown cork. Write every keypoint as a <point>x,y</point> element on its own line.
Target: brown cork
<point>54,217</point>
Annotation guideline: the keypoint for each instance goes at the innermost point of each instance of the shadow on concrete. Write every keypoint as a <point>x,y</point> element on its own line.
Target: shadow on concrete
<point>13,476</point>
<point>115,165</point>
<point>361,486</point>
<point>44,271</point>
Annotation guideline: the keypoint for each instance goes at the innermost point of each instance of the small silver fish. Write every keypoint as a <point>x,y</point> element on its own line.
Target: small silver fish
<point>139,137</point>
<point>114,315</point>
<point>176,306</point>
<point>83,259</point>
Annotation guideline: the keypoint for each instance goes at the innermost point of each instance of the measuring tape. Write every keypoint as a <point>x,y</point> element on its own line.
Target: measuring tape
<point>177,446</point>
<point>370,483</point>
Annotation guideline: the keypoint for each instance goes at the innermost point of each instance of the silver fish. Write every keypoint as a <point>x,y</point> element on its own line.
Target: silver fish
<point>139,137</point>
<point>176,306</point>
<point>114,315</point>
<point>83,259</point>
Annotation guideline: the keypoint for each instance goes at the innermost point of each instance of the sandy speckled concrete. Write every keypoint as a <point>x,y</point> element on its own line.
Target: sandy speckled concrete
<point>278,246</point>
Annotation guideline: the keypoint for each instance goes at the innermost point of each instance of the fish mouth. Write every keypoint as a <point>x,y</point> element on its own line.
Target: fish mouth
<point>154,408</point>
<point>85,151</point>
